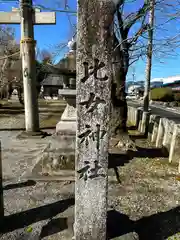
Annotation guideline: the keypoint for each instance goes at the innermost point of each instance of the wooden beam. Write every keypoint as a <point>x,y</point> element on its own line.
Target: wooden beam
<point>40,18</point>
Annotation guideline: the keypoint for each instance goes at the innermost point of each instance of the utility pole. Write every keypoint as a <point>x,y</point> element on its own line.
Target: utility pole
<point>149,57</point>
<point>145,117</point>
<point>29,66</point>
<point>133,75</point>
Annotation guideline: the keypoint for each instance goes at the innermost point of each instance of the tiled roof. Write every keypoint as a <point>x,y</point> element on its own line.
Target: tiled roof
<point>53,80</point>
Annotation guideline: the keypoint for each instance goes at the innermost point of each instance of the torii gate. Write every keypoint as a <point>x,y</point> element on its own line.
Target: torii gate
<point>28,17</point>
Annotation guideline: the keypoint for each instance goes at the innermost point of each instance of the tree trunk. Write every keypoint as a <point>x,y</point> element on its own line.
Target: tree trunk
<point>119,102</point>
<point>120,63</point>
<point>9,90</point>
<point>20,95</point>
<point>149,57</point>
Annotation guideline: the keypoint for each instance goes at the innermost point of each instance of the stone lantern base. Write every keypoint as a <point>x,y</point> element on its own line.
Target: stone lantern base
<point>67,124</point>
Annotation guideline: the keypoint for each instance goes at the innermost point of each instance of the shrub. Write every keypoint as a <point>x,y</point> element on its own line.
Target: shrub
<point>162,94</point>
<point>177,97</point>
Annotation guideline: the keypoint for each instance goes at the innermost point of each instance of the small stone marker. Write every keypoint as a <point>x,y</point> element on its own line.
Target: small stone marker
<point>94,78</point>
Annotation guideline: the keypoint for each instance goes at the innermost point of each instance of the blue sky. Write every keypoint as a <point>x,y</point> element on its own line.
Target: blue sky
<point>49,36</point>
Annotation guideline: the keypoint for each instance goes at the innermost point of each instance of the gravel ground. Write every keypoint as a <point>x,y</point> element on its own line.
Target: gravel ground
<point>147,200</point>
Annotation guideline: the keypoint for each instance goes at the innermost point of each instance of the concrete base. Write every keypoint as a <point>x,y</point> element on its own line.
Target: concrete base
<point>67,124</point>
<point>66,128</point>
<point>25,135</point>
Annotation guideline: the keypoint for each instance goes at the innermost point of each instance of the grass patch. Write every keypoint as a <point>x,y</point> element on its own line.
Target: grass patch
<point>133,132</point>
<point>50,112</point>
<point>50,121</point>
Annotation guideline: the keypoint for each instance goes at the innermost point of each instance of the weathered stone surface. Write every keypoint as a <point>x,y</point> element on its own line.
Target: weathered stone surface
<point>155,125</point>
<point>138,116</point>
<point>94,78</point>
<point>151,123</point>
<point>67,124</point>
<point>54,163</point>
<point>165,133</point>
<point>125,143</point>
<point>169,126</point>
<point>128,236</point>
<point>132,114</point>
<point>69,95</point>
<point>160,134</point>
<point>145,122</point>
<point>174,152</point>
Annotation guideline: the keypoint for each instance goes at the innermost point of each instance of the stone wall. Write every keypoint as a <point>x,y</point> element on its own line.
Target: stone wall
<point>164,133</point>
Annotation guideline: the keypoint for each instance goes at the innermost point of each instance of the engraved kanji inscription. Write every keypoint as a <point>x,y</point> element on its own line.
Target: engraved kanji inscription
<point>88,133</point>
<point>93,70</point>
<point>91,172</point>
<point>92,102</point>
<point>26,72</point>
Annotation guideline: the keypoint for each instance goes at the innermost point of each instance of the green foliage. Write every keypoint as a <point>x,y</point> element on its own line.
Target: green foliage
<point>162,94</point>
<point>29,229</point>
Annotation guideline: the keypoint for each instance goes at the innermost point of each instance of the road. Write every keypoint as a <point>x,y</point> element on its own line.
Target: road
<point>160,110</point>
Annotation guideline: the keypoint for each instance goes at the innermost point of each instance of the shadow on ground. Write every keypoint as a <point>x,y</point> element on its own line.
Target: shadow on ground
<point>138,136</point>
<point>149,152</point>
<point>19,185</point>
<point>26,218</point>
<point>53,226</point>
<point>159,226</point>
<point>132,128</point>
<point>119,160</point>
<point>116,160</point>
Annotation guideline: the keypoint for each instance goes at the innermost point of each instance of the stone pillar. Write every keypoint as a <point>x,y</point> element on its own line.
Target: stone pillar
<point>138,116</point>
<point>173,143</point>
<point>145,122</point>
<point>139,126</point>
<point>29,67</point>
<point>134,116</point>
<point>29,83</point>
<point>160,133</point>
<point>154,132</point>
<point>169,125</point>
<point>94,78</point>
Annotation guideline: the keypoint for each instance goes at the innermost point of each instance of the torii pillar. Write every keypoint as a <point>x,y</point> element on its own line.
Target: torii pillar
<point>28,17</point>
